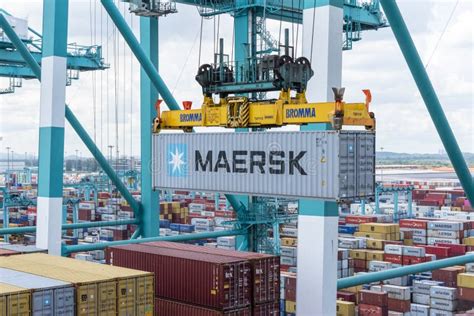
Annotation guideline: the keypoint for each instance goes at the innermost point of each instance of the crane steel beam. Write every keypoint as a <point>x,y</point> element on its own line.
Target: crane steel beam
<point>102,161</point>
<point>429,96</point>
<point>101,246</point>
<point>405,270</point>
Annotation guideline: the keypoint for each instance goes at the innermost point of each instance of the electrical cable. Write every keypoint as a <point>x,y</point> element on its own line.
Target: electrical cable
<point>442,34</point>
<point>312,32</point>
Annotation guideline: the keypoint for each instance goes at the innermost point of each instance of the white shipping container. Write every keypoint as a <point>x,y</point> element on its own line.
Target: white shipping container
<point>312,164</point>
<point>423,286</point>
<point>415,231</point>
<point>393,249</point>
<point>445,233</point>
<point>439,312</point>
<point>289,232</point>
<point>348,243</point>
<point>413,251</point>
<point>375,265</point>
<point>226,241</point>
<point>226,247</point>
<point>435,240</point>
<point>470,267</point>
<point>288,251</point>
<point>442,225</point>
<point>419,240</point>
<point>202,222</point>
<point>419,310</point>
<point>445,305</point>
<point>423,299</point>
<point>443,292</point>
<point>397,292</point>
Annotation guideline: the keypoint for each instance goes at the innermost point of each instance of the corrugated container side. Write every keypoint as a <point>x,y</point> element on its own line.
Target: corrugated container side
<point>165,307</point>
<point>125,294</point>
<point>90,288</point>
<point>207,280</point>
<point>14,300</point>
<point>146,295</point>
<point>322,164</point>
<point>265,268</point>
<point>48,295</point>
<point>266,309</point>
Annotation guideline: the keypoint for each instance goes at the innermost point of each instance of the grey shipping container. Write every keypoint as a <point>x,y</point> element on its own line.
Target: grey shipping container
<point>211,281</point>
<point>265,268</point>
<point>329,165</point>
<point>49,296</point>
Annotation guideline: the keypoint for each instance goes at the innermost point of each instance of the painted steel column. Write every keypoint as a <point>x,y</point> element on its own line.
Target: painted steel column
<point>429,96</point>
<point>410,203</point>
<point>396,213</point>
<point>242,30</point>
<point>322,45</point>
<point>362,205</point>
<point>51,134</point>
<point>148,96</point>
<point>318,220</point>
<point>377,202</point>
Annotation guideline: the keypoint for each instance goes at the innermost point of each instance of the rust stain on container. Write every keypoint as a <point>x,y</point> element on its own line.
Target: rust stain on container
<point>265,268</point>
<point>173,308</point>
<point>208,280</point>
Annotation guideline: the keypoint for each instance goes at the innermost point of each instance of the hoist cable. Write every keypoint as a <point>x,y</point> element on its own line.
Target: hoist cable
<point>200,41</point>
<point>312,32</point>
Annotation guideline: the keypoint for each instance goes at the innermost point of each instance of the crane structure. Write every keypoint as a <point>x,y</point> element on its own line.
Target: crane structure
<point>14,67</point>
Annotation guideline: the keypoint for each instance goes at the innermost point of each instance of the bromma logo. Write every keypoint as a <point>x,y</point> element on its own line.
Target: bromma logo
<point>192,117</point>
<point>300,113</point>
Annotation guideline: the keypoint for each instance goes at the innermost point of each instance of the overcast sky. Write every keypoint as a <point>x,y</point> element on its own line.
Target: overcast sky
<point>403,123</point>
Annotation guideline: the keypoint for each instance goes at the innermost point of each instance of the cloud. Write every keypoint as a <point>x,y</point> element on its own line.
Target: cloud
<point>403,123</point>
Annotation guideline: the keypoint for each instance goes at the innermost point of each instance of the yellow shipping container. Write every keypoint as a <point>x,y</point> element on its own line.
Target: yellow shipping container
<point>345,308</point>
<point>382,228</point>
<point>408,242</point>
<point>128,281</point>
<point>289,241</point>
<point>290,307</point>
<point>379,236</point>
<point>95,294</point>
<point>14,300</point>
<point>374,255</point>
<point>375,244</point>
<point>466,280</point>
<point>468,241</point>
<point>358,254</point>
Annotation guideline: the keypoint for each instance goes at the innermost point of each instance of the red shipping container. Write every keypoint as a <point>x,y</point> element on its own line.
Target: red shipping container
<point>371,310</point>
<point>265,268</point>
<point>466,294</point>
<point>455,250</point>
<point>7,252</point>
<point>165,307</point>
<point>359,263</point>
<point>393,258</point>
<point>440,252</point>
<point>447,275</point>
<point>413,223</point>
<point>360,269</point>
<point>213,281</point>
<point>359,219</point>
<point>401,306</point>
<point>408,260</point>
<point>266,309</point>
<point>290,288</point>
<point>373,298</point>
<point>85,215</point>
<point>346,296</point>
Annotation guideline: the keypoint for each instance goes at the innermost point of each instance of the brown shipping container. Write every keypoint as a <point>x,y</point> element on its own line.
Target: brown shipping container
<point>265,268</point>
<point>372,310</point>
<point>267,309</point>
<point>373,298</point>
<point>14,300</point>
<point>129,282</point>
<point>466,294</point>
<point>174,308</point>
<point>401,306</point>
<point>203,279</point>
<point>290,288</point>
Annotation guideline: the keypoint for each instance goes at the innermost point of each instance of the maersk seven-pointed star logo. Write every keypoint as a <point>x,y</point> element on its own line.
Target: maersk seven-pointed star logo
<point>177,160</point>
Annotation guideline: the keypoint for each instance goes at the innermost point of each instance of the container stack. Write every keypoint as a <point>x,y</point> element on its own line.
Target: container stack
<point>14,300</point>
<point>226,282</point>
<point>288,293</point>
<point>288,238</point>
<point>98,289</point>
<point>174,212</point>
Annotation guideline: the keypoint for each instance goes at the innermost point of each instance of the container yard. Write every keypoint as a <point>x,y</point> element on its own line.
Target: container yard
<point>220,164</point>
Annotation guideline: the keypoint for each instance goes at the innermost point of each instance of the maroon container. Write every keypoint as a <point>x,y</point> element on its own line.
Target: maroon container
<point>174,308</point>
<point>346,296</point>
<point>265,268</point>
<point>372,310</point>
<point>373,298</point>
<point>290,288</point>
<point>208,280</point>
<point>266,309</point>
<point>401,306</point>
<point>466,294</point>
